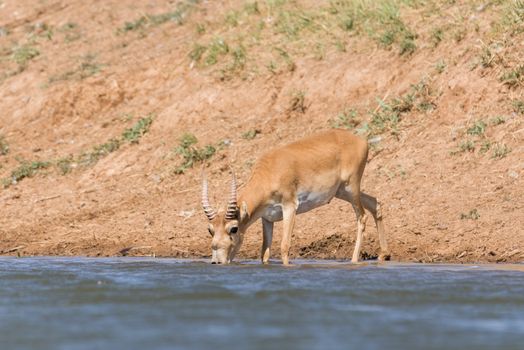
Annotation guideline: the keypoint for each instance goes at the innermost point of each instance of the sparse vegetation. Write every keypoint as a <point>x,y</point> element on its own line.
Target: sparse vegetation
<point>485,146</point>
<point>478,128</point>
<point>514,77</point>
<point>133,134</point>
<point>466,146</point>
<point>191,155</point>
<point>71,32</point>
<point>298,102</point>
<point>347,119</point>
<point>476,133</point>
<point>23,54</point>
<point>437,35</point>
<point>197,52</point>
<point>497,120</point>
<point>26,169</point>
<point>67,164</point>
<point>88,67</point>
<point>297,30</point>
<point>518,106</point>
<point>513,18</point>
<point>149,20</point>
<point>440,66</point>
<point>218,47</point>
<point>388,114</point>
<point>472,215</point>
<point>500,150</point>
<point>98,152</point>
<point>250,134</point>
<point>4,146</point>
<point>487,57</point>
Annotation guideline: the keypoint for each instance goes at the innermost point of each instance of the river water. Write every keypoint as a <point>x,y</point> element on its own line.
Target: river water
<point>128,303</point>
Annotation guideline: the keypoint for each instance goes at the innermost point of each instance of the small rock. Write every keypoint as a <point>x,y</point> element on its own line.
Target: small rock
<point>156,178</point>
<point>186,213</point>
<point>375,139</point>
<point>513,174</point>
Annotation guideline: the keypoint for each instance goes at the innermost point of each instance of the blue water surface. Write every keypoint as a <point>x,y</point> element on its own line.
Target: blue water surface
<point>129,303</point>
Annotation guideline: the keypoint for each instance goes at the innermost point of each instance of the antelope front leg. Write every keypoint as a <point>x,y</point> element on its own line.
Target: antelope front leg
<point>288,212</point>
<point>267,231</point>
<point>361,216</point>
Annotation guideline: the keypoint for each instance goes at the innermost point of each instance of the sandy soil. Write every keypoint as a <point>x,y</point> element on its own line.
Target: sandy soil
<point>91,80</point>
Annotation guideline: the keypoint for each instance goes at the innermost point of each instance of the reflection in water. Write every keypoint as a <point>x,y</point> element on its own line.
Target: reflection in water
<point>66,303</point>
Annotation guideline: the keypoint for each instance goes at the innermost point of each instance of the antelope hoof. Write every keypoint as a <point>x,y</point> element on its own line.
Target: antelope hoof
<point>384,257</point>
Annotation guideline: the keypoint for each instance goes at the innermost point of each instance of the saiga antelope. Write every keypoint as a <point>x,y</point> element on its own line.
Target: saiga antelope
<point>291,180</point>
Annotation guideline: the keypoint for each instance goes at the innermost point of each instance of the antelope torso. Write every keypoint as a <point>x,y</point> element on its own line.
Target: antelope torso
<point>306,200</point>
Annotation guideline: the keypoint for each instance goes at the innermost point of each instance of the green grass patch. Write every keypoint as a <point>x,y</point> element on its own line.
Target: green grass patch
<point>464,146</point>
<point>514,77</point>
<point>513,17</point>
<point>389,113</point>
<point>191,154</point>
<point>478,128</point>
<point>98,152</point>
<point>178,16</point>
<point>23,54</point>
<point>347,119</point>
<point>298,30</point>
<point>440,66</point>
<point>497,120</point>
<point>436,36</point>
<point>65,165</point>
<point>133,134</point>
<point>518,106</point>
<point>197,52</point>
<point>218,47</point>
<point>485,146</point>
<point>250,134</point>
<point>24,170</point>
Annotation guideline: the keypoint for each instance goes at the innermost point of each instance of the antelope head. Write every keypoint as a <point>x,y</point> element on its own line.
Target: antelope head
<point>223,226</point>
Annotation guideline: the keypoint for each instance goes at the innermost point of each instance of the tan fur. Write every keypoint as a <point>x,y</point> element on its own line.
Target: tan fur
<point>296,178</point>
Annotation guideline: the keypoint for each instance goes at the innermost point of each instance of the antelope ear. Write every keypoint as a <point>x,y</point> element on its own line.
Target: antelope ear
<point>243,211</point>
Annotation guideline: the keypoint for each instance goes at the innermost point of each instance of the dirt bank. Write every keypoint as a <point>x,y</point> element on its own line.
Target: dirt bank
<point>95,98</point>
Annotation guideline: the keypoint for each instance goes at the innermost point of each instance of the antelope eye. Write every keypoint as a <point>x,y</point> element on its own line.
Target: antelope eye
<point>233,230</point>
<point>211,231</point>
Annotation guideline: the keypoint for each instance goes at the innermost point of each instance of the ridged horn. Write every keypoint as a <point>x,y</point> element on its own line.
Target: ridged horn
<point>231,212</point>
<point>208,209</point>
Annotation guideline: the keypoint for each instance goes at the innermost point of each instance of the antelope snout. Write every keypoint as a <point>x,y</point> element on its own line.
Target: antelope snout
<point>219,257</point>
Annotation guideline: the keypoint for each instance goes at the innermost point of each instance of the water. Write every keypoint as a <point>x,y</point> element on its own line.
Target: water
<point>79,303</point>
